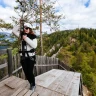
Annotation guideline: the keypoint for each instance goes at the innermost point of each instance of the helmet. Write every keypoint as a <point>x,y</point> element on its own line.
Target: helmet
<point>28,25</point>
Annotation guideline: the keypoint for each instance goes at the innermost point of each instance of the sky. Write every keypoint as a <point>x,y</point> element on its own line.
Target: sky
<point>77,13</point>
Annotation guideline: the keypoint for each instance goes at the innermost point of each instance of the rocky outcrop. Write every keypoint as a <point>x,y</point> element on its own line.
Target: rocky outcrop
<point>52,49</point>
<point>54,55</point>
<point>86,92</point>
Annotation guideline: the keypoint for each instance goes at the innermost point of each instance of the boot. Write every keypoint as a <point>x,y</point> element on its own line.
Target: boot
<point>32,88</point>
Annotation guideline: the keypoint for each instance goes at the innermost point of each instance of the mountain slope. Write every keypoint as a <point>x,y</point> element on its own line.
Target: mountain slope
<point>78,50</point>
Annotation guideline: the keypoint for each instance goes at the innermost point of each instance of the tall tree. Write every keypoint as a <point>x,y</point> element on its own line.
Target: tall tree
<point>32,14</point>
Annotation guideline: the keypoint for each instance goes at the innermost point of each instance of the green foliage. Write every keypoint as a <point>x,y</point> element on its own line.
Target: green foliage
<point>3,24</point>
<point>3,56</point>
<point>65,55</point>
<point>74,46</point>
<point>86,47</point>
<point>92,59</point>
<point>15,51</point>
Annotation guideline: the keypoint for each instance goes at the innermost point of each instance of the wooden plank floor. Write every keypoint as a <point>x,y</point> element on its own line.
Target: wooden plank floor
<point>52,83</point>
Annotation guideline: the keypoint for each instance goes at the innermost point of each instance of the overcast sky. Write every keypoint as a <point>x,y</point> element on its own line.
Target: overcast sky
<point>78,13</point>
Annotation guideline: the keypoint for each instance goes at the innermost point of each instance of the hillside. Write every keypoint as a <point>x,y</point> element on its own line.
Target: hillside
<point>77,48</point>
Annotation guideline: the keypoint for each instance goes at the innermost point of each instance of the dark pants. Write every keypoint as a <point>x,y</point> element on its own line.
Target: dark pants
<point>28,65</point>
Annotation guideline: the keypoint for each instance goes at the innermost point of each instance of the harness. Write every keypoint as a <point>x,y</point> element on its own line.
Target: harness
<point>26,52</point>
<point>24,46</point>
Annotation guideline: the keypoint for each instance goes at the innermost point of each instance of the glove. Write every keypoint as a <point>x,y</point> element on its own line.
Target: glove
<point>16,30</point>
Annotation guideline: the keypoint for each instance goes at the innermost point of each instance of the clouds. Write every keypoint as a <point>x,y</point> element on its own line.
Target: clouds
<point>78,13</point>
<point>7,10</point>
<point>10,3</point>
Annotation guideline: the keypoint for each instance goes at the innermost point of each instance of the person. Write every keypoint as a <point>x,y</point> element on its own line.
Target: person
<point>27,56</point>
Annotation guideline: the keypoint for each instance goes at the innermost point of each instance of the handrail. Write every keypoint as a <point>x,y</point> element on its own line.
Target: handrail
<point>41,61</point>
<point>3,65</point>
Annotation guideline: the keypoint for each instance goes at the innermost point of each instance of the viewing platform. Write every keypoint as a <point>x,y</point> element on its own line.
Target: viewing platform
<point>55,82</point>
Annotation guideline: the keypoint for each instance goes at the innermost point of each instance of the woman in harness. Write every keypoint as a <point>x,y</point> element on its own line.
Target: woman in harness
<point>27,52</point>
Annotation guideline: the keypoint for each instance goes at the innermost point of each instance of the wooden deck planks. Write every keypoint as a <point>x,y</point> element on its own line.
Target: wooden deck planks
<point>28,93</point>
<point>52,83</point>
<point>3,88</point>
<point>23,92</point>
<point>20,89</point>
<point>74,86</point>
<point>45,92</point>
<point>17,92</point>
<point>2,83</point>
<point>56,94</point>
<point>62,88</point>
<point>15,83</point>
<point>57,81</point>
<point>42,91</point>
<point>7,90</point>
<point>48,78</point>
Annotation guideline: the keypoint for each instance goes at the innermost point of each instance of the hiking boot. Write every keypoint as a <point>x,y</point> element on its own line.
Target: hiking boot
<point>33,88</point>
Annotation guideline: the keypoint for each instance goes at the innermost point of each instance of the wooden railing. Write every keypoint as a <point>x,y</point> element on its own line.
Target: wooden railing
<point>12,66</point>
<point>43,64</point>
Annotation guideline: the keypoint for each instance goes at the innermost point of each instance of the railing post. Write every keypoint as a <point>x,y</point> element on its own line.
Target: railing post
<point>9,51</point>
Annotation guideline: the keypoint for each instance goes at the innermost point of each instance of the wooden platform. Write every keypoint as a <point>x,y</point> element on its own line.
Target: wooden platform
<point>52,83</point>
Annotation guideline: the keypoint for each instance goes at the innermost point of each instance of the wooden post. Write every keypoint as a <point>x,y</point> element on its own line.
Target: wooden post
<point>9,51</point>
